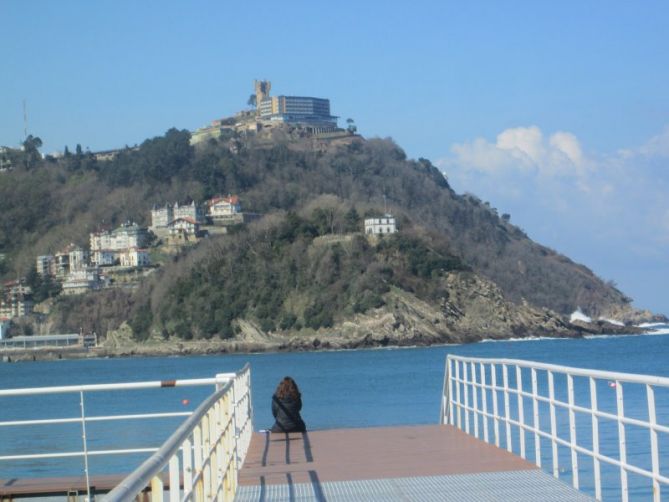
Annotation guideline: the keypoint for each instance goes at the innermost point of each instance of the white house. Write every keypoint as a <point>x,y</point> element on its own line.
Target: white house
<point>103,257</point>
<point>78,258</point>
<point>134,257</point>
<point>81,281</point>
<point>192,210</point>
<point>224,206</point>
<point>46,265</point>
<point>126,236</point>
<point>185,225</point>
<point>379,226</point>
<point>161,216</point>
<point>129,235</point>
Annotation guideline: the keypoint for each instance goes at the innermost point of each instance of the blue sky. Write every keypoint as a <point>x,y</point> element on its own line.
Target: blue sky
<point>555,112</point>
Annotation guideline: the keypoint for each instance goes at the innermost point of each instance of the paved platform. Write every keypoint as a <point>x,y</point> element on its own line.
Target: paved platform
<point>434,462</point>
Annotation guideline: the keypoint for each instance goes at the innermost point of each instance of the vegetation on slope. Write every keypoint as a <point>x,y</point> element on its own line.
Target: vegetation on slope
<point>56,202</point>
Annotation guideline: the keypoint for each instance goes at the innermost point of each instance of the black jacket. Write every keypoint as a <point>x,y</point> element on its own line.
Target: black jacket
<point>286,411</point>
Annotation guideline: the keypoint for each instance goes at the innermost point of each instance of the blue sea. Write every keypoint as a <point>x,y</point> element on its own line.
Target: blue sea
<point>358,388</point>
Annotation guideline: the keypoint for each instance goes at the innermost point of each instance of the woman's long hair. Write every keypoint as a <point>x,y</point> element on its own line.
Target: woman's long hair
<point>287,388</point>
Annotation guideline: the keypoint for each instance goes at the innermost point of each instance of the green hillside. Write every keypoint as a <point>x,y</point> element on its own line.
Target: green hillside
<point>275,271</point>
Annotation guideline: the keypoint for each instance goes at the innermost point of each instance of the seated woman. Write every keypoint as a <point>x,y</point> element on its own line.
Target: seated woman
<point>286,406</point>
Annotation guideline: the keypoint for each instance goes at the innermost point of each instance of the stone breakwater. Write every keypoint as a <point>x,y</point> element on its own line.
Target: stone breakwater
<point>283,343</point>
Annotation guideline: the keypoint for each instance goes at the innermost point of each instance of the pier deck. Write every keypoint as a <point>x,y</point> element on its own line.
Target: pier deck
<point>433,462</point>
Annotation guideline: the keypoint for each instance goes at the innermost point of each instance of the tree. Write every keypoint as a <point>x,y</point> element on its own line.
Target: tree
<point>78,151</point>
<point>351,128</point>
<point>252,101</point>
<point>31,150</point>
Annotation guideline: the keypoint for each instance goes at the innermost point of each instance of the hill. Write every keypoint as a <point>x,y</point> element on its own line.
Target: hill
<point>304,268</point>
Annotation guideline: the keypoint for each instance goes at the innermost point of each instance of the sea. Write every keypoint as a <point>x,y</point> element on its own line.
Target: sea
<point>340,389</point>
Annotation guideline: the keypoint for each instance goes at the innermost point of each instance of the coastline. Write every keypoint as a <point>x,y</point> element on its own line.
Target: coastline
<point>278,344</point>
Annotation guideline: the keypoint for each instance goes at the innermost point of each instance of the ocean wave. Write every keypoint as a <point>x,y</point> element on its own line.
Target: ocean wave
<point>525,339</point>
<point>651,324</point>
<point>650,333</point>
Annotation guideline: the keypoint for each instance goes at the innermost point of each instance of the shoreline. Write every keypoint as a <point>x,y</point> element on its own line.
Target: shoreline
<point>290,345</point>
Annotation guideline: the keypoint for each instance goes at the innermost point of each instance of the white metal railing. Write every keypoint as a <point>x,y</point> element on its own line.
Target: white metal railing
<point>236,389</point>
<point>475,401</point>
<point>206,451</point>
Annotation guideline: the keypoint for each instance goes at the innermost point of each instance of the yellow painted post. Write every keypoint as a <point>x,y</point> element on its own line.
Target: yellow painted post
<point>197,462</point>
<point>157,488</point>
<point>187,462</point>
<point>206,469</point>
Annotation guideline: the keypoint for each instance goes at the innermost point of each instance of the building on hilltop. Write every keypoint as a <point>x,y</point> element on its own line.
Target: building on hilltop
<point>161,216</point>
<point>82,280</point>
<point>107,245</point>
<point>192,210</point>
<point>15,300</point>
<point>225,210</point>
<point>78,258</point>
<point>46,265</point>
<point>379,226</point>
<point>262,88</point>
<point>312,113</point>
<point>134,258</point>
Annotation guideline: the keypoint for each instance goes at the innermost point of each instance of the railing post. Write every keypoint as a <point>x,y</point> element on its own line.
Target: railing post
<point>217,448</point>
<point>507,409</point>
<point>457,392</point>
<point>572,430</point>
<point>84,439</point>
<point>551,400</point>
<point>206,456</point>
<point>535,419</point>
<point>521,410</point>
<point>654,450</point>
<point>495,408</point>
<point>174,478</point>
<point>445,394</point>
<point>449,403</point>
<point>484,402</point>
<point>475,398</point>
<point>465,388</point>
<point>622,441</point>
<point>187,465</point>
<point>157,488</point>
<point>197,462</point>
<point>595,439</point>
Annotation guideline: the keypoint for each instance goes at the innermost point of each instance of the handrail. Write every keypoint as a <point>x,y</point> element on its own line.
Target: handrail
<point>471,384</point>
<point>213,442</point>
<point>238,385</point>
<point>63,389</point>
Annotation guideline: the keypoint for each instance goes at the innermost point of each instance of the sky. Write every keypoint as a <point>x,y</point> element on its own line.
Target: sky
<point>557,113</point>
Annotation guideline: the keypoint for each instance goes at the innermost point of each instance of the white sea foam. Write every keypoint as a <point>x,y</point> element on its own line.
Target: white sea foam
<point>651,324</point>
<point>656,332</point>
<point>525,339</point>
<point>612,321</point>
<point>577,315</point>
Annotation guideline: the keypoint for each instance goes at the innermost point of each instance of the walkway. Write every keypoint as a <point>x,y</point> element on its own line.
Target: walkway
<point>414,463</point>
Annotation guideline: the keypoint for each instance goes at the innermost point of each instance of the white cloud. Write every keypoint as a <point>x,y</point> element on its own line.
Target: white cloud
<point>521,148</point>
<point>657,146</point>
<point>599,208</point>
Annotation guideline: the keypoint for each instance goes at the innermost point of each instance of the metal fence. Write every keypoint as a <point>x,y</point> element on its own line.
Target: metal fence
<point>229,407</point>
<point>520,405</point>
<point>206,451</point>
